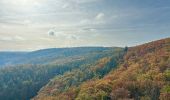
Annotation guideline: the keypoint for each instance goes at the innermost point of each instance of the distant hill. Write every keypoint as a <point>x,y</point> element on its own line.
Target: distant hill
<point>45,56</point>
<point>9,57</point>
<point>142,73</point>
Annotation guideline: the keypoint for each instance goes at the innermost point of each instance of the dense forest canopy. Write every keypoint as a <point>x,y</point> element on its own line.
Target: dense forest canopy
<point>142,74</point>
<point>88,73</point>
<point>22,81</point>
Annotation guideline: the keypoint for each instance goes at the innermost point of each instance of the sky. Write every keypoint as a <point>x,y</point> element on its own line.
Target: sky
<point>37,24</point>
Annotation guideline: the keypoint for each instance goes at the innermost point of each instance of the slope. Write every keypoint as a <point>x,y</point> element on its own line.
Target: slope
<point>144,74</point>
<point>23,81</point>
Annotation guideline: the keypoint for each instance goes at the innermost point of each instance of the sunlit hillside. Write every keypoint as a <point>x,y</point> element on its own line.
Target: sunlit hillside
<point>143,74</point>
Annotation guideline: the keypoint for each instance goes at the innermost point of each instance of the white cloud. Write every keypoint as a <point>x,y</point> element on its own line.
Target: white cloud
<point>82,20</point>
<point>27,22</point>
<point>85,22</point>
<point>62,35</point>
<point>6,38</point>
<point>15,38</point>
<point>100,16</point>
<point>19,38</point>
<point>84,1</point>
<point>66,5</point>
<point>92,30</point>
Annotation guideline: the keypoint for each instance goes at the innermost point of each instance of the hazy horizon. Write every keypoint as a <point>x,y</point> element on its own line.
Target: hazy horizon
<point>27,25</point>
<point>78,47</point>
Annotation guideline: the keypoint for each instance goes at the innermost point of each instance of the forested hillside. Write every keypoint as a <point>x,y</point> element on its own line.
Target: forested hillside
<point>88,73</point>
<point>22,81</point>
<point>142,74</point>
<point>46,56</point>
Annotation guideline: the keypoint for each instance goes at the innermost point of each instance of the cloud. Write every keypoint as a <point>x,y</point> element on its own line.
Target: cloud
<point>6,39</point>
<point>84,1</point>
<point>61,35</point>
<point>95,21</point>
<point>73,37</point>
<point>14,38</point>
<point>27,22</point>
<point>100,16</point>
<point>94,30</point>
<point>19,38</point>
<point>51,33</point>
<point>80,21</point>
<point>66,5</point>
<point>85,22</point>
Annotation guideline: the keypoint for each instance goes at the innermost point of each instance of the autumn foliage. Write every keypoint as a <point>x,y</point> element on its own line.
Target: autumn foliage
<point>143,73</point>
